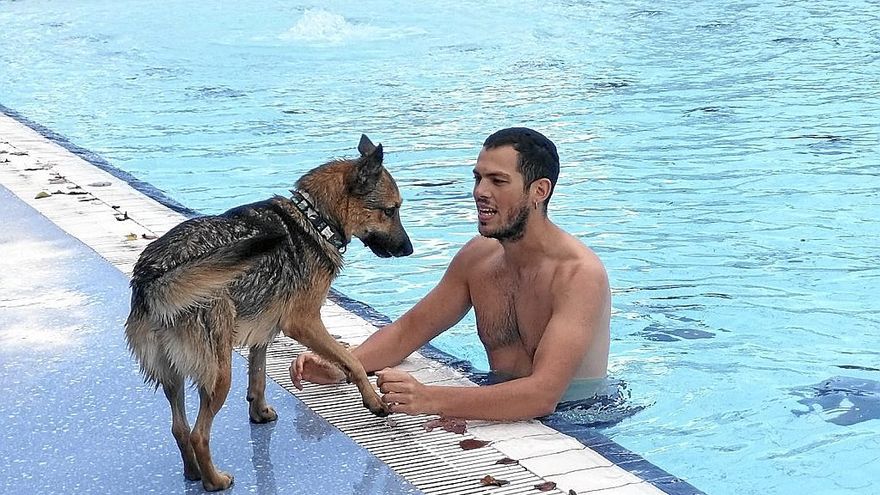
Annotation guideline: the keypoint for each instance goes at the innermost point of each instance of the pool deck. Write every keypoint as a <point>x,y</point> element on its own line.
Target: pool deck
<point>78,417</point>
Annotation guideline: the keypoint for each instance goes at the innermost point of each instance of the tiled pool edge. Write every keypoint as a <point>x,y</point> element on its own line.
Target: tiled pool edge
<point>624,459</point>
<point>98,161</point>
<point>589,437</point>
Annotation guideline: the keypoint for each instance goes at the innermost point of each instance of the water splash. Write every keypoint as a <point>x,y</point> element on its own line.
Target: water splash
<point>318,26</point>
<point>602,410</point>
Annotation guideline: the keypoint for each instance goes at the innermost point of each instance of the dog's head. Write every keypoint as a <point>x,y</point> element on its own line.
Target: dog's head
<point>377,219</point>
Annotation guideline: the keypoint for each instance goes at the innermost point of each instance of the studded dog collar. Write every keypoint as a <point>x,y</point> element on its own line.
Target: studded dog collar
<point>303,202</point>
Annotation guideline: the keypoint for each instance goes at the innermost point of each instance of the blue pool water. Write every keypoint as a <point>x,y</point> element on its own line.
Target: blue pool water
<point>721,158</point>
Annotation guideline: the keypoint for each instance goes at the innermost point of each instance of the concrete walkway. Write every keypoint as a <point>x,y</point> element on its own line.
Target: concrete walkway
<point>77,417</point>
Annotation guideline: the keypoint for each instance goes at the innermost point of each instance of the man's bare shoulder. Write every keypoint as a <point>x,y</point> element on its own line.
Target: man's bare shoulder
<point>578,267</point>
<point>476,251</point>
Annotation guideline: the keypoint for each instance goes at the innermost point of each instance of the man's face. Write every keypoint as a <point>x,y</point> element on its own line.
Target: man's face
<point>500,195</point>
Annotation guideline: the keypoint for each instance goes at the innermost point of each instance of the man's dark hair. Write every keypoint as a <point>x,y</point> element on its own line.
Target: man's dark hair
<point>537,154</point>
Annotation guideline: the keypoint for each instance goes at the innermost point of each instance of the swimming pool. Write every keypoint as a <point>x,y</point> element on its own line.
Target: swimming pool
<point>721,159</point>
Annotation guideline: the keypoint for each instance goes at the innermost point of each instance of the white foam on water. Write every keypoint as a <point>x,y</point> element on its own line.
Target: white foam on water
<point>318,26</point>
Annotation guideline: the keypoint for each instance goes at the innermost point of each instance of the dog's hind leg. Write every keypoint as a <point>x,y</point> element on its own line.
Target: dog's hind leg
<point>146,343</point>
<point>174,392</point>
<point>259,411</point>
<point>218,325</point>
<point>211,400</point>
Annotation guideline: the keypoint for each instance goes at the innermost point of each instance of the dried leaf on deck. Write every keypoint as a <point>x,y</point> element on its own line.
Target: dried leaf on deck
<point>506,461</point>
<point>488,480</point>
<point>545,486</point>
<point>452,425</point>
<point>41,195</point>
<point>472,443</point>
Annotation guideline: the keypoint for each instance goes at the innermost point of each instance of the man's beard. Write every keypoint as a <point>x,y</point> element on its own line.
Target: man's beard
<point>515,228</point>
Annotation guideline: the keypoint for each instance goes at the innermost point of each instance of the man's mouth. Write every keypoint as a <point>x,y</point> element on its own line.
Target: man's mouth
<point>484,213</point>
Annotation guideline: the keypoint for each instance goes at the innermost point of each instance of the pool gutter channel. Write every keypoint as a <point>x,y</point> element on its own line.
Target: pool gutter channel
<point>117,221</point>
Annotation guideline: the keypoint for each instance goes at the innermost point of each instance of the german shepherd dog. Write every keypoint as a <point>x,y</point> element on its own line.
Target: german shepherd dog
<point>239,278</point>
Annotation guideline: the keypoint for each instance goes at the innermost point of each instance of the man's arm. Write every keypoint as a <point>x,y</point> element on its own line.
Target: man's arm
<point>439,310</point>
<point>580,310</point>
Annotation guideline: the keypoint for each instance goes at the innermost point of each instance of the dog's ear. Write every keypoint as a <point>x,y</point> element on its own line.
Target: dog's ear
<point>365,147</point>
<point>369,167</point>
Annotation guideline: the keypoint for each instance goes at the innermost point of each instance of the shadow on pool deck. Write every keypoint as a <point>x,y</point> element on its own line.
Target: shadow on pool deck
<point>78,418</point>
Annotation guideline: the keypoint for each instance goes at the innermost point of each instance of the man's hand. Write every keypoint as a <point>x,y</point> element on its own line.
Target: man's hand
<point>311,367</point>
<point>404,394</point>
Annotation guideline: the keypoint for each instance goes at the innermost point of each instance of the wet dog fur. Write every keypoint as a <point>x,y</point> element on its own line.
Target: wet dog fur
<point>214,282</point>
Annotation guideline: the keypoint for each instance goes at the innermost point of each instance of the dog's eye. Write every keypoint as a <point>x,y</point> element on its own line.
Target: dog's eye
<point>389,212</point>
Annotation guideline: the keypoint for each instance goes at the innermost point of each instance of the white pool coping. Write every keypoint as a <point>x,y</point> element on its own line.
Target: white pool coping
<point>117,221</point>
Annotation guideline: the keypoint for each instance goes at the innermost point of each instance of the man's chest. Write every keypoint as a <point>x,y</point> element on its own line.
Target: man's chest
<point>510,310</point>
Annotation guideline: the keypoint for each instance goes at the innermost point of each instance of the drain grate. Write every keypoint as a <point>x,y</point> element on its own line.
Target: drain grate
<point>432,461</point>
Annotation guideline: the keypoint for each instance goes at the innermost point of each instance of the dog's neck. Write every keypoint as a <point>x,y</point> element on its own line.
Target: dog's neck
<point>332,234</point>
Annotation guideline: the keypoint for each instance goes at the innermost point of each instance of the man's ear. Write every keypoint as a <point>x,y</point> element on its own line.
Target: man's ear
<point>541,189</point>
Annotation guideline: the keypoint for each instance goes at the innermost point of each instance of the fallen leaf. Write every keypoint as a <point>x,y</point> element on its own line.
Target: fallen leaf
<point>131,237</point>
<point>148,236</point>
<point>488,480</point>
<point>545,486</point>
<point>452,425</point>
<point>41,195</point>
<point>472,443</point>
<point>506,461</point>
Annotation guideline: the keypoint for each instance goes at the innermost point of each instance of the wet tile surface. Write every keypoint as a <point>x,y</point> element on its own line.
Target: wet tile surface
<point>77,418</point>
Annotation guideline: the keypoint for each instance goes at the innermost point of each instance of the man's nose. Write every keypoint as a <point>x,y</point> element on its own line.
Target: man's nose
<point>480,191</point>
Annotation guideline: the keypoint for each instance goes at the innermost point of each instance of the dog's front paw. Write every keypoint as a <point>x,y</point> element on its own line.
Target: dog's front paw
<point>220,482</point>
<point>264,414</point>
<point>377,407</point>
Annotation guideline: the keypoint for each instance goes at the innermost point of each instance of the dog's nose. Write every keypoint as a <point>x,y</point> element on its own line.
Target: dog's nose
<point>406,249</point>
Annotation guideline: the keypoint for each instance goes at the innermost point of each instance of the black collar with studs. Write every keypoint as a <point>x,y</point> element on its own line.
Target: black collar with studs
<point>303,202</point>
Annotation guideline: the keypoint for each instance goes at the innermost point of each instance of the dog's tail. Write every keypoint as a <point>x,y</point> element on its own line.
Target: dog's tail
<point>196,282</point>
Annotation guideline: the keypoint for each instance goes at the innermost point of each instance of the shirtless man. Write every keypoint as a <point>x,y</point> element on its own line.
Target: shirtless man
<point>541,299</point>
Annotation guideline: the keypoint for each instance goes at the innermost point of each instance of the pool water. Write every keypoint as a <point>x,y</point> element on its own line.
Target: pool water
<point>720,157</point>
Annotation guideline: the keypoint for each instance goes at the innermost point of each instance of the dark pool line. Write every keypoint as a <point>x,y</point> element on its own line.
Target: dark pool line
<point>99,161</point>
<point>588,436</point>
